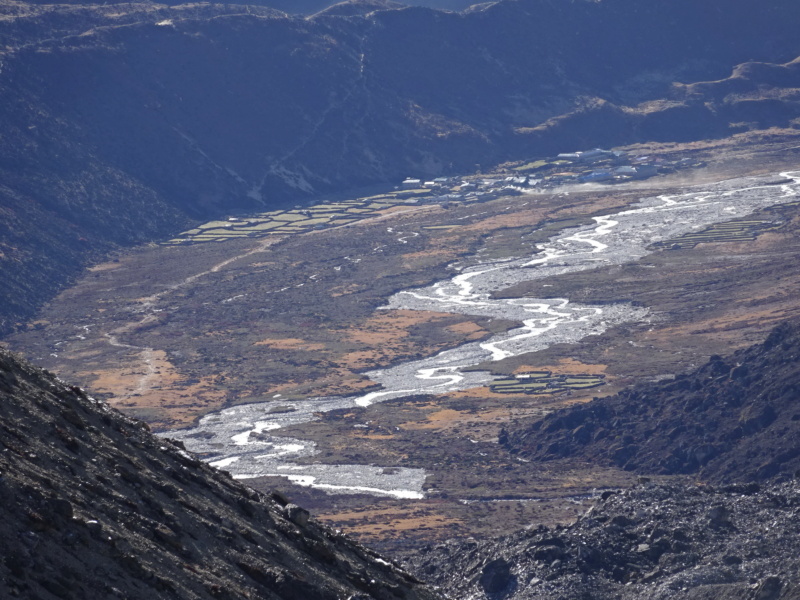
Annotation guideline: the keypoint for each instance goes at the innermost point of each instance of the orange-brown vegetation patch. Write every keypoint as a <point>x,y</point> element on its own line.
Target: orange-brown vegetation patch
<point>290,344</point>
<point>511,219</point>
<point>437,420</point>
<point>565,366</point>
<point>469,330</point>
<point>414,261</point>
<point>387,325</point>
<point>387,522</point>
<point>155,389</point>
<point>338,382</point>
<point>479,424</point>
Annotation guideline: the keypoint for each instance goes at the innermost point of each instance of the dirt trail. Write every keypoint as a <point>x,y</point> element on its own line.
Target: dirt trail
<point>146,354</point>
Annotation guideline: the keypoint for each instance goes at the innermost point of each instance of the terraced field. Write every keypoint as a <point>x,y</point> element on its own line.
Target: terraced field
<point>297,220</point>
<point>735,231</point>
<point>545,382</point>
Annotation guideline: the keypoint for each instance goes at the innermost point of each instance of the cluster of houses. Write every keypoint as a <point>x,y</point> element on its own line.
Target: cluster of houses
<point>444,190</point>
<point>600,165</point>
<point>610,166</point>
<point>589,166</point>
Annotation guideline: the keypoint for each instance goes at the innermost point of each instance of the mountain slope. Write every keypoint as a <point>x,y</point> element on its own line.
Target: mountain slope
<point>650,542</point>
<point>120,124</point>
<point>94,506</point>
<point>735,419</point>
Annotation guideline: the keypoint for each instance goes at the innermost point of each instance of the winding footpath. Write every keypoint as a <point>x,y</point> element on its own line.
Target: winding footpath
<point>148,310</point>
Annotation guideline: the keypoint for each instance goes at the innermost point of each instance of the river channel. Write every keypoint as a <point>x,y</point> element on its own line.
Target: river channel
<point>243,439</point>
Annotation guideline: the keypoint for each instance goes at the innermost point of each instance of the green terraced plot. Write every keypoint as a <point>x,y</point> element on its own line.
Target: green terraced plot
<point>532,166</point>
<point>544,382</point>
<point>289,217</point>
<point>300,220</point>
<point>534,375</point>
<point>267,225</point>
<point>734,231</point>
<point>312,222</point>
<point>229,234</point>
<point>329,215</point>
<point>336,206</point>
<point>213,225</point>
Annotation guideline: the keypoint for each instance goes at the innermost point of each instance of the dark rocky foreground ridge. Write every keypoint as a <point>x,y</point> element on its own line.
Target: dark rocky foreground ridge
<point>95,506</point>
<point>737,418</point>
<point>735,542</point>
<point>120,124</point>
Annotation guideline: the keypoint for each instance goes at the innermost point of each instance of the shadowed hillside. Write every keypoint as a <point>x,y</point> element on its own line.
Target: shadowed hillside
<point>122,123</point>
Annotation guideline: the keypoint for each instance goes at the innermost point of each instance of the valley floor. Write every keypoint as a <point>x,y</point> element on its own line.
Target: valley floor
<point>174,334</point>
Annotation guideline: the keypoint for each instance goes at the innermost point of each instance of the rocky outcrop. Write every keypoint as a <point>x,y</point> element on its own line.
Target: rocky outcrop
<point>94,506</point>
<point>651,542</point>
<point>736,418</point>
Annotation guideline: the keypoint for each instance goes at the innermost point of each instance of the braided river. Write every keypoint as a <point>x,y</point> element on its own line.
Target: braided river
<point>245,439</point>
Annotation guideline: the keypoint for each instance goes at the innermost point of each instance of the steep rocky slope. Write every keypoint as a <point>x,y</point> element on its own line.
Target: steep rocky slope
<point>651,542</point>
<point>121,123</point>
<point>733,422</point>
<point>94,506</point>
<point>735,419</point>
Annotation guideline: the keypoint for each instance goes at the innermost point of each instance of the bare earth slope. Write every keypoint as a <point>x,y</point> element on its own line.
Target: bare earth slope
<point>94,506</point>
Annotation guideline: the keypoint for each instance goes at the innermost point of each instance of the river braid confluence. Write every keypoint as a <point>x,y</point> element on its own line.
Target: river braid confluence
<point>240,438</point>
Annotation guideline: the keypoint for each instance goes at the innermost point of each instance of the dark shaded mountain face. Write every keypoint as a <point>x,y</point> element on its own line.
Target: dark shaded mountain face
<point>95,506</point>
<point>308,7</point>
<point>120,124</point>
<point>354,8</point>
<point>735,419</point>
<point>650,542</point>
